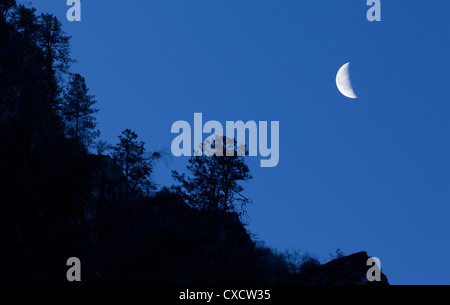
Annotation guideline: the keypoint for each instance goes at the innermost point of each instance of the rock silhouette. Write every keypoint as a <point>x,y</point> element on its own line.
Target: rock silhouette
<point>347,270</point>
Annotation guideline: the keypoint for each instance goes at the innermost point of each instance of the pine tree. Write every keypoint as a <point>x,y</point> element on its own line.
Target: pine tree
<point>79,113</point>
<point>55,44</point>
<point>214,181</point>
<point>130,155</point>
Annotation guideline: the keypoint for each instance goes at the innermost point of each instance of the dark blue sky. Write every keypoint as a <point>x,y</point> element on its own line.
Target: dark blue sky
<point>368,174</point>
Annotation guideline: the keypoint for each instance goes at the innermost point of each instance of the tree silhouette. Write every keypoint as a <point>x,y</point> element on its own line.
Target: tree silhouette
<point>28,96</point>
<point>130,155</point>
<point>214,181</point>
<point>55,46</point>
<point>78,112</point>
<point>54,43</point>
<point>5,7</point>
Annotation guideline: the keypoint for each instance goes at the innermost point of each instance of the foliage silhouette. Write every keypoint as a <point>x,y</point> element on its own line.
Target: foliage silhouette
<point>130,155</point>
<point>214,181</point>
<point>78,111</point>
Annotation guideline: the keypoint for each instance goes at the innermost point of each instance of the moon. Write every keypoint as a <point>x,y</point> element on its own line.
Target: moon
<point>343,82</point>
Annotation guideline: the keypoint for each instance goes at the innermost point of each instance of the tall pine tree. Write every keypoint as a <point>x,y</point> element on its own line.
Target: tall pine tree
<point>78,111</point>
<point>130,155</point>
<point>55,45</point>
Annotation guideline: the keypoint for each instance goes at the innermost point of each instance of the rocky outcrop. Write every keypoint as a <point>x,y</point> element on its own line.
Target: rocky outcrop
<point>346,270</point>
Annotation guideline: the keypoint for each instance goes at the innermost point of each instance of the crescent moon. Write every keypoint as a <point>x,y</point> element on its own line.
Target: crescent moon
<point>344,83</point>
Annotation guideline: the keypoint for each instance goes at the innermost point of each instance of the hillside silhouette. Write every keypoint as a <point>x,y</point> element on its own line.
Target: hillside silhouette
<point>58,199</point>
